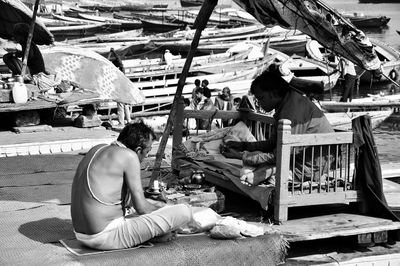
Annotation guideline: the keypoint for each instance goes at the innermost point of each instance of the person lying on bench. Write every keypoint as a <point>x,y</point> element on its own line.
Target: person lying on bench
<point>275,93</point>
<point>107,184</point>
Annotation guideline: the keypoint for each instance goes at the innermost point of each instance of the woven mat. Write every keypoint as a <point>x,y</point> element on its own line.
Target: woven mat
<point>38,163</point>
<point>200,250</point>
<point>74,246</point>
<point>9,206</point>
<point>56,194</point>
<point>37,179</point>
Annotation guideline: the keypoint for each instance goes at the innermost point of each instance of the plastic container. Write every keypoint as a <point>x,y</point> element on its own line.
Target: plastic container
<point>19,93</point>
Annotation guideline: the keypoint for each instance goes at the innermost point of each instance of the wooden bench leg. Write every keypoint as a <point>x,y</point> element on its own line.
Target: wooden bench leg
<point>370,239</point>
<point>380,237</point>
<point>365,240</point>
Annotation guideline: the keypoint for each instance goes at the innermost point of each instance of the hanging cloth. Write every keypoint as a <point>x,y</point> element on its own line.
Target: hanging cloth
<point>368,170</point>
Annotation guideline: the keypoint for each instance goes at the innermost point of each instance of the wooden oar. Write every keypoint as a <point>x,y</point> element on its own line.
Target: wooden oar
<point>200,23</point>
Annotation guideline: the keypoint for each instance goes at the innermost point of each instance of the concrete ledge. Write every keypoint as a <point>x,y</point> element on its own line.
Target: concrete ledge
<point>50,147</point>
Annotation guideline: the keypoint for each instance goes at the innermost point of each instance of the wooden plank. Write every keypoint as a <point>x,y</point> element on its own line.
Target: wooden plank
<point>282,173</point>
<point>319,139</point>
<point>391,169</point>
<point>31,129</point>
<point>392,193</point>
<point>30,105</point>
<point>324,198</point>
<point>206,114</point>
<point>327,226</point>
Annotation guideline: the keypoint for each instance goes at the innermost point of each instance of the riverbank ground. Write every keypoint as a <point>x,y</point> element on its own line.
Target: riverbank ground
<point>35,179</point>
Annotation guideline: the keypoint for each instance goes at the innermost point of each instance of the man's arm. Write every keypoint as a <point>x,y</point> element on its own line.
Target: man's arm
<point>234,149</point>
<point>132,178</point>
<point>263,146</point>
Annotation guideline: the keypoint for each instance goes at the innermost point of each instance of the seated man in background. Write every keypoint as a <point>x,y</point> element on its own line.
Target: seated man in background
<point>35,62</point>
<point>202,103</point>
<point>196,86</point>
<point>274,93</point>
<point>107,183</point>
<point>224,102</point>
<point>204,85</point>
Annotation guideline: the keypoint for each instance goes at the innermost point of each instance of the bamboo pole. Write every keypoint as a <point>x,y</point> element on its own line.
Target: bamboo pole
<point>200,23</point>
<point>29,40</point>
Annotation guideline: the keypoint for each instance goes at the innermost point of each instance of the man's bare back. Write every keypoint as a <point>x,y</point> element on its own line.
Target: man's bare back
<point>96,190</point>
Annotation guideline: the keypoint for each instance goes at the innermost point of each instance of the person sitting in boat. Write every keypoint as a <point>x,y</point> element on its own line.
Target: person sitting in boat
<point>274,93</point>
<point>124,111</point>
<point>196,86</point>
<point>108,207</point>
<point>202,103</point>
<point>224,102</point>
<point>35,62</point>
<point>204,85</point>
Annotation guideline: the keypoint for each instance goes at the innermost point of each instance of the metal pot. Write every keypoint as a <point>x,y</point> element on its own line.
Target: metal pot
<point>197,177</point>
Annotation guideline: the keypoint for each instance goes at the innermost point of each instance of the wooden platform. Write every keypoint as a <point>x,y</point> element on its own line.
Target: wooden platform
<point>392,194</point>
<point>333,225</point>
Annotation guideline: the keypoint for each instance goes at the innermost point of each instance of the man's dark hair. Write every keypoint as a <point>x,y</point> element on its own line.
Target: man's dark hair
<point>270,81</point>
<point>197,82</point>
<point>136,135</point>
<point>205,82</point>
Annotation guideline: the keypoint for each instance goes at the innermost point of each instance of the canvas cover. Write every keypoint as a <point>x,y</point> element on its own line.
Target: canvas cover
<point>321,22</point>
<point>13,12</point>
<point>92,72</point>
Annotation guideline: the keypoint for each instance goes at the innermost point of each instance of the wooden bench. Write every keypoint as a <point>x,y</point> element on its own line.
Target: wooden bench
<point>339,188</point>
<point>261,126</point>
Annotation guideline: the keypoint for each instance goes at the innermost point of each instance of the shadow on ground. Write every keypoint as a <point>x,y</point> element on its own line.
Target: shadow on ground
<point>49,230</point>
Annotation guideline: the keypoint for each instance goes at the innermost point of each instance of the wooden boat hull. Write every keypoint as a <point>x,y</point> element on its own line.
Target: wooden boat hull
<point>125,36</point>
<point>121,48</point>
<point>293,45</point>
<point>390,63</point>
<point>66,32</point>
<point>102,7</point>
<point>390,60</point>
<point>309,75</point>
<point>343,120</point>
<point>369,21</point>
<point>372,102</point>
<point>160,26</point>
<point>136,66</point>
<point>124,24</point>
<point>191,3</point>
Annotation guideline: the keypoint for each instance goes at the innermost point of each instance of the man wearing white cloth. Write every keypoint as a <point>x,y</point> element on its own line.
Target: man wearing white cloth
<point>107,182</point>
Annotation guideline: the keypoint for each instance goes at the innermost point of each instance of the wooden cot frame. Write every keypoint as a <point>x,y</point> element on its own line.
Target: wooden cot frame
<point>283,198</point>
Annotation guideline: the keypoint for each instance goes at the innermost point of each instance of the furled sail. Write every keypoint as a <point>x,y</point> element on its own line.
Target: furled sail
<point>321,22</point>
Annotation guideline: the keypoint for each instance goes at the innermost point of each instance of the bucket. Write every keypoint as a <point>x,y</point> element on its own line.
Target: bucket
<point>19,93</point>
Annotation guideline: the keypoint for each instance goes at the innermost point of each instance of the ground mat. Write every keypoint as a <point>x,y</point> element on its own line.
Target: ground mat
<point>199,250</point>
<point>78,249</point>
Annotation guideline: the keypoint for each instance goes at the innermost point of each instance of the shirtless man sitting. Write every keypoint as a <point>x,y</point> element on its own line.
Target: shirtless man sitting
<point>107,182</point>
